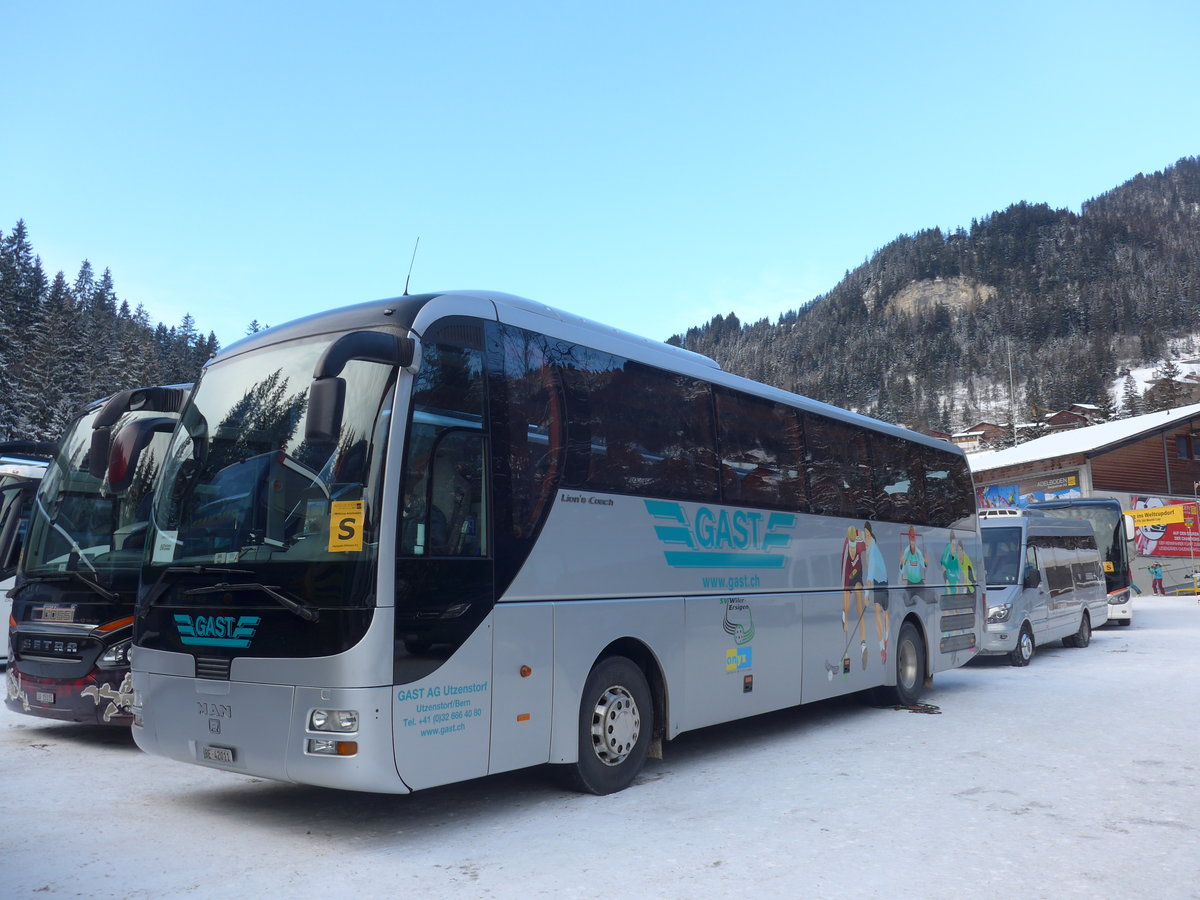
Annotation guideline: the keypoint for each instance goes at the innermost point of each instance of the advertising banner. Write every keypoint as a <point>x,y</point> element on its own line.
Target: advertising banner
<point>1059,486</point>
<point>1164,527</point>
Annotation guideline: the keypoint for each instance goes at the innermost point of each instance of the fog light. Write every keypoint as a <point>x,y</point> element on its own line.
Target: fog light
<point>322,747</point>
<point>341,720</point>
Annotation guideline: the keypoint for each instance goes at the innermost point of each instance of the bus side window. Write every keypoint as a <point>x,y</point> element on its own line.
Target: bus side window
<point>761,446</point>
<point>899,491</point>
<point>839,469</point>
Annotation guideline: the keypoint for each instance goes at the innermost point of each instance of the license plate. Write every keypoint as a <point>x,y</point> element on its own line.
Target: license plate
<point>45,697</point>
<point>217,754</point>
<point>52,613</point>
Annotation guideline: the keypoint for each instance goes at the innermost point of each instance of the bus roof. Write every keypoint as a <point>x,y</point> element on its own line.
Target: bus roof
<point>406,311</point>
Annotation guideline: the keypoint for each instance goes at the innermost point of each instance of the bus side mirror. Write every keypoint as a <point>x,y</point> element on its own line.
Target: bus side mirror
<point>327,394</point>
<point>326,403</point>
<point>167,398</point>
<point>1130,527</point>
<point>1032,578</point>
<point>127,449</point>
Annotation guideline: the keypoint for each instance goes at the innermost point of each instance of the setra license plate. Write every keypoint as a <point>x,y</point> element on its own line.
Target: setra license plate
<point>45,697</point>
<point>210,753</point>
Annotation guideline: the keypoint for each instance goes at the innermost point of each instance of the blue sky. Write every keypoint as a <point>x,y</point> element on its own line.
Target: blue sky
<point>646,164</point>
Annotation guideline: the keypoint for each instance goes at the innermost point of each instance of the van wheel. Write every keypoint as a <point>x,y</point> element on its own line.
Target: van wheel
<point>1083,636</point>
<point>616,722</point>
<point>1023,652</point>
<point>910,670</point>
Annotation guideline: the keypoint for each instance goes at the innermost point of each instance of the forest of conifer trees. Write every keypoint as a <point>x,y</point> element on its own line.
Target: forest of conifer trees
<point>65,343</point>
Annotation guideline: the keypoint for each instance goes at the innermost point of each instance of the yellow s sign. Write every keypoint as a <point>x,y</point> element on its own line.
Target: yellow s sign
<point>345,526</point>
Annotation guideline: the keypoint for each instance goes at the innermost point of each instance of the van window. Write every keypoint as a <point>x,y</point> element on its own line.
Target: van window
<point>1002,555</point>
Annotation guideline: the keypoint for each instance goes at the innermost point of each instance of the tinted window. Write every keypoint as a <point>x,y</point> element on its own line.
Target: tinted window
<point>839,469</point>
<point>949,495</point>
<point>636,429</point>
<point>762,452</point>
<point>899,485</point>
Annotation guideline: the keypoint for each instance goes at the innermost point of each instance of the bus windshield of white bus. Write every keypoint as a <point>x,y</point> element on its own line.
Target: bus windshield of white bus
<point>242,485</point>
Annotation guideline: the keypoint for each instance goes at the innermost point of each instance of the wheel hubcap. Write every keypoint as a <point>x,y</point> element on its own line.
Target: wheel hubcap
<point>1026,646</point>
<point>616,724</point>
<point>906,665</point>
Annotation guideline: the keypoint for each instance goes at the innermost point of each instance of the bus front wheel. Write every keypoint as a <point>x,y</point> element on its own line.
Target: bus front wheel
<point>616,722</point>
<point>1023,652</point>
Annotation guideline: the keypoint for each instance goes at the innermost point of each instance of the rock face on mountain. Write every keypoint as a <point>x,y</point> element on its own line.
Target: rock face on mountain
<point>933,328</point>
<point>954,293</point>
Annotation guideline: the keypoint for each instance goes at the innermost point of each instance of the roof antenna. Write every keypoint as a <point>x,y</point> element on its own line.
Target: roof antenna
<point>410,265</point>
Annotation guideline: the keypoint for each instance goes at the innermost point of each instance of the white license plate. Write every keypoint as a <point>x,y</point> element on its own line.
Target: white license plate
<point>45,697</point>
<point>217,754</point>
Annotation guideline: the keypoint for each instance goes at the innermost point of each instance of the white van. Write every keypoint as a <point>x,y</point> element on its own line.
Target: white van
<point>1045,582</point>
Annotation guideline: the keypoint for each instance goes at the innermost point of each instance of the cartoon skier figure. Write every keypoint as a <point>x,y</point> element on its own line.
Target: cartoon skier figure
<point>913,563</point>
<point>853,552</point>
<point>951,570</point>
<point>877,580</point>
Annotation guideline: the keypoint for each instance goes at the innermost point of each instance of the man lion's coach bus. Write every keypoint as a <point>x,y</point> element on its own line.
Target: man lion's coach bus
<point>421,540</point>
<point>71,624</point>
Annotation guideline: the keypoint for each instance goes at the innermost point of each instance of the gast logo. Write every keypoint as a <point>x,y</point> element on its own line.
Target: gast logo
<point>722,538</point>
<point>216,631</point>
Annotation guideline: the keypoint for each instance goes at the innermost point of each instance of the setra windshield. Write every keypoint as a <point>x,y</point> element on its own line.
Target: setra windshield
<point>78,523</point>
<point>243,488</point>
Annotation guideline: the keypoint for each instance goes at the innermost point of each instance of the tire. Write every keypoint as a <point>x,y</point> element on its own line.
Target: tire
<point>910,670</point>
<point>1023,652</point>
<point>616,725</point>
<point>1083,636</point>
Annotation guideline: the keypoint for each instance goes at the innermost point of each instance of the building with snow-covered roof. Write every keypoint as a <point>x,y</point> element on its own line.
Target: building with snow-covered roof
<point>1150,460</point>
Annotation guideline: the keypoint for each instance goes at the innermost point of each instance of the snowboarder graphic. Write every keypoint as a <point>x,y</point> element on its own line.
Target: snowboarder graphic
<point>877,580</point>
<point>853,553</point>
<point>913,563</point>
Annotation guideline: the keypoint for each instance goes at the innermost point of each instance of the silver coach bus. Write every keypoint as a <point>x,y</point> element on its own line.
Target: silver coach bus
<point>1045,582</point>
<point>421,540</point>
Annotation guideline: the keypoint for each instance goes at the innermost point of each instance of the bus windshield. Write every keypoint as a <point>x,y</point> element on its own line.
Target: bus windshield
<point>78,523</point>
<point>1002,555</point>
<point>243,486</point>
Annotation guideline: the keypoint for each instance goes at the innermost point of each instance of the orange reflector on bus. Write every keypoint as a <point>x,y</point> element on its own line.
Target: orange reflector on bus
<point>523,717</point>
<point>114,625</point>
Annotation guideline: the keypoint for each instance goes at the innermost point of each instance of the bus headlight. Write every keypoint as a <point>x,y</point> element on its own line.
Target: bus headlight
<point>997,614</point>
<point>340,720</point>
<point>116,656</point>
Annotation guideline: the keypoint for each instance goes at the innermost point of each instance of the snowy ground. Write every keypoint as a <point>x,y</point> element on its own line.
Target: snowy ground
<point>1076,777</point>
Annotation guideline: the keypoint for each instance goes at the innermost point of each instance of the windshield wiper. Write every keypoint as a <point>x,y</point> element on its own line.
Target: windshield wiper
<point>154,593</point>
<point>110,596</point>
<point>301,609</point>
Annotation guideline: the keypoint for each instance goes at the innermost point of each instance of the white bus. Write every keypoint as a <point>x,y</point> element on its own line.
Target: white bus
<point>421,540</point>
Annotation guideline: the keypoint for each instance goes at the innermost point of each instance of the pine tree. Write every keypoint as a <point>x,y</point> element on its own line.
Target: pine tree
<point>1131,399</point>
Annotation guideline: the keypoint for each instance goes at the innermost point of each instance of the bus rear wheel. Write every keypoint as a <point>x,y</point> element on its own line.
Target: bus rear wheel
<point>1083,636</point>
<point>1023,652</point>
<point>616,722</point>
<point>910,670</point>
